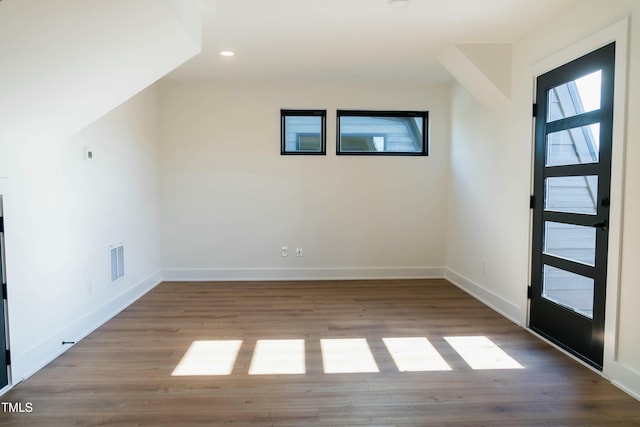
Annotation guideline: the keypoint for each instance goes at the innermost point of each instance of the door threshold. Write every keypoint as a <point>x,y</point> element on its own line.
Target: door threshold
<point>567,353</point>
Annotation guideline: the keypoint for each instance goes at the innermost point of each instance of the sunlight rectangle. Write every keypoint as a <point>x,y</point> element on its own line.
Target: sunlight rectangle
<point>216,357</point>
<point>415,354</point>
<point>278,357</point>
<point>481,353</point>
<point>348,355</point>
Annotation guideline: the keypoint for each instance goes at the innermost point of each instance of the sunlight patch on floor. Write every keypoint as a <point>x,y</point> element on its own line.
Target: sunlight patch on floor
<point>347,355</point>
<point>481,353</point>
<point>215,357</point>
<point>278,357</point>
<point>415,354</point>
<point>340,356</point>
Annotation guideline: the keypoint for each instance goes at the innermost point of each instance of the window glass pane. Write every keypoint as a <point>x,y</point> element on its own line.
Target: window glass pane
<point>303,132</point>
<point>569,290</point>
<point>575,97</point>
<point>573,194</point>
<point>574,146</point>
<point>308,142</point>
<point>379,133</point>
<point>573,242</point>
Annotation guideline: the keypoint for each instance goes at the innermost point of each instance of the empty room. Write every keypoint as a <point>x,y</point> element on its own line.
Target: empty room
<point>320,212</point>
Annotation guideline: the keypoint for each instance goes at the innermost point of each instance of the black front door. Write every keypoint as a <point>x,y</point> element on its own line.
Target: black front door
<point>572,175</point>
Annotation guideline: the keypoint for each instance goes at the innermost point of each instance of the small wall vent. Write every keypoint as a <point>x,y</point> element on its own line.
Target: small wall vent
<point>117,262</point>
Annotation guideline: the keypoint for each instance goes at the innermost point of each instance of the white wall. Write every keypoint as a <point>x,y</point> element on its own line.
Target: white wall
<point>61,215</point>
<point>488,209</point>
<point>65,63</point>
<point>491,174</point>
<point>230,201</point>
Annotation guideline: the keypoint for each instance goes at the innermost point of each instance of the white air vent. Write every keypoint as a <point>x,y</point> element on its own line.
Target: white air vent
<point>117,262</point>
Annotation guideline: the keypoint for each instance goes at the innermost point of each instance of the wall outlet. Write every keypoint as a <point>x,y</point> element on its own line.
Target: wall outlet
<point>284,251</point>
<point>298,252</point>
<point>484,267</point>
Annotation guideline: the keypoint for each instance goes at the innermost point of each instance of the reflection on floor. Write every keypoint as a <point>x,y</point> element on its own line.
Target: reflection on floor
<point>278,357</point>
<point>340,356</point>
<point>415,355</point>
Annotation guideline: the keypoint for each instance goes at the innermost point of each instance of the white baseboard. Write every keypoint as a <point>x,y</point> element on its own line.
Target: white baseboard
<point>264,274</point>
<point>625,378</point>
<point>506,308</point>
<point>28,363</point>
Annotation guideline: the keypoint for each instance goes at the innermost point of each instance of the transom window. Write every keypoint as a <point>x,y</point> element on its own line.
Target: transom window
<point>303,132</point>
<point>382,132</point>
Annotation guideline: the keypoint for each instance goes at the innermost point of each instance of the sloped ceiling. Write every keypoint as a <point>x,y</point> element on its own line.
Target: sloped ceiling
<point>65,63</point>
<point>353,39</point>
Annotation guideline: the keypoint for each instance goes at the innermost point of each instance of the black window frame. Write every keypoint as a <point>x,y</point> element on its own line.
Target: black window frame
<point>284,113</point>
<point>383,113</point>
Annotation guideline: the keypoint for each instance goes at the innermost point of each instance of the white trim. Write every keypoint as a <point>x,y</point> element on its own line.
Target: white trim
<point>336,273</point>
<point>26,364</point>
<point>617,32</point>
<point>616,213</point>
<point>494,301</point>
<point>626,379</point>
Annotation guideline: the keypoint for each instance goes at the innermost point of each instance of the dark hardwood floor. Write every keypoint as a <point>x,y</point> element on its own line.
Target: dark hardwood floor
<point>122,373</point>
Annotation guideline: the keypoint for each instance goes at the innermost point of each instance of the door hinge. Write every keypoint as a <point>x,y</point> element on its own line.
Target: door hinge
<point>8,356</point>
<point>534,110</point>
<point>1,224</point>
<point>532,201</point>
<point>529,292</point>
<point>4,291</point>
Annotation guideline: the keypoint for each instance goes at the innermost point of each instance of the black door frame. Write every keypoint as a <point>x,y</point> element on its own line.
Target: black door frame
<point>4,343</point>
<point>575,333</point>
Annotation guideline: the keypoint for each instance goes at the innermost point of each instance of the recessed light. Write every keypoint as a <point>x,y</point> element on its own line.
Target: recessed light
<point>227,53</point>
<point>398,3</point>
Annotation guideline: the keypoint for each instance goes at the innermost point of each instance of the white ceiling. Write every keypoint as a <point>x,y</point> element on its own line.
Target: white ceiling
<point>352,39</point>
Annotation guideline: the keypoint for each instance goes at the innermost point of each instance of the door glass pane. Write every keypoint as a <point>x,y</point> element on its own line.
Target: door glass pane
<point>573,194</point>
<point>575,97</point>
<point>569,290</point>
<point>574,146</point>
<point>569,241</point>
